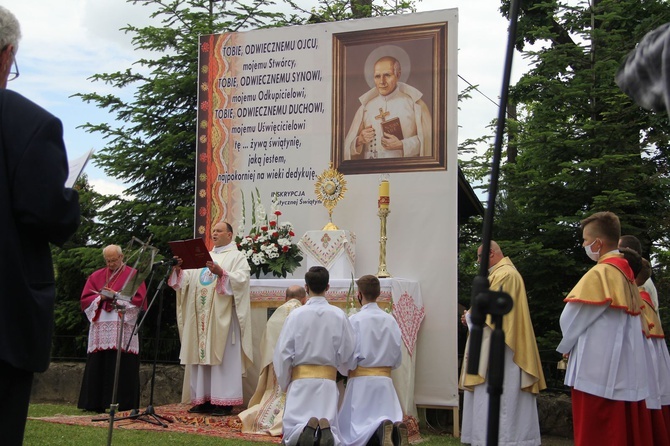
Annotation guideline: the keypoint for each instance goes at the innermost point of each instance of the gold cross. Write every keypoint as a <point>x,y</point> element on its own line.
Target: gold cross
<point>382,114</point>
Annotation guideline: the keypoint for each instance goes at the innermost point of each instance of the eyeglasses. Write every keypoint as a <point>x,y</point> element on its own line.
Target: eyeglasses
<point>13,74</point>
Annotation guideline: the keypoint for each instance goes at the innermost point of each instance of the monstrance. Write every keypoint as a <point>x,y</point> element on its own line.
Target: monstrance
<point>330,188</point>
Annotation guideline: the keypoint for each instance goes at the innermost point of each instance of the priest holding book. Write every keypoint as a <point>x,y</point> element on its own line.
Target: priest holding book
<point>392,120</point>
<point>214,321</point>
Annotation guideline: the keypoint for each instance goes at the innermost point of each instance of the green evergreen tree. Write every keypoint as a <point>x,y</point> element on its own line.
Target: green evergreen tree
<point>152,145</point>
<point>79,257</point>
<point>580,146</point>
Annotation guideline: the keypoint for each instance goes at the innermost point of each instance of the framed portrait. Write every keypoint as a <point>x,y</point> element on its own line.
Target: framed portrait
<point>390,99</point>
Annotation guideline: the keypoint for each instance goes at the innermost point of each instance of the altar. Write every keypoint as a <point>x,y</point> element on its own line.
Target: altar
<point>402,295</point>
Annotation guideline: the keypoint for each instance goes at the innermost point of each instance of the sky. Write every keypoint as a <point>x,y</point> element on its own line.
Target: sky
<point>64,43</point>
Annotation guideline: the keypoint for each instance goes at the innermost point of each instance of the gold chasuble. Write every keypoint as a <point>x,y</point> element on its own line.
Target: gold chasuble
<point>602,285</point>
<point>519,333</point>
<point>651,323</point>
<point>266,407</point>
<point>204,315</point>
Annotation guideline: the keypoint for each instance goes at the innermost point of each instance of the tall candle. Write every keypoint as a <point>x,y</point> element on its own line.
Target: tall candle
<point>384,198</point>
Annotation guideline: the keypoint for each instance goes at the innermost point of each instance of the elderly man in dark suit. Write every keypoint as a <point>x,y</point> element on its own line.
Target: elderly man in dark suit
<point>35,210</point>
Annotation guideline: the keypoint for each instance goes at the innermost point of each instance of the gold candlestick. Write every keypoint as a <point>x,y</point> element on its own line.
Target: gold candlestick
<point>383,213</point>
<point>383,203</point>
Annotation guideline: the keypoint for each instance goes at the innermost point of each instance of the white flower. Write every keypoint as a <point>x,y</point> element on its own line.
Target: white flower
<point>286,225</point>
<point>284,242</point>
<point>258,258</point>
<point>260,213</point>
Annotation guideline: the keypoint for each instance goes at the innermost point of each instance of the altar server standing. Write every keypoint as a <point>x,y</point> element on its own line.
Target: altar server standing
<point>602,335</point>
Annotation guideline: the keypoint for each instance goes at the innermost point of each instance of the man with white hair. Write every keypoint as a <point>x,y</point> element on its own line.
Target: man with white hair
<point>37,209</point>
<point>102,311</point>
<point>392,120</point>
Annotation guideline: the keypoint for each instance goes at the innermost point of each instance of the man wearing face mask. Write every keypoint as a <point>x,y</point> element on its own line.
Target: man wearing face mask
<point>604,345</point>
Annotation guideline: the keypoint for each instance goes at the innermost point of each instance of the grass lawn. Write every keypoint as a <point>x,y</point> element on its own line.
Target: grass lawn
<point>39,433</point>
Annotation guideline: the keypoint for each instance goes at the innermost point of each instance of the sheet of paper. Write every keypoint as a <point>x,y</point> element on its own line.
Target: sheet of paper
<point>77,167</point>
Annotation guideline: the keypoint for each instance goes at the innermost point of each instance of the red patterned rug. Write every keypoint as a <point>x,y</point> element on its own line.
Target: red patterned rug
<point>182,421</point>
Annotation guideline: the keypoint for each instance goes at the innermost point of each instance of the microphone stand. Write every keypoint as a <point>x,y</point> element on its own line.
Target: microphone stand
<point>119,341</point>
<point>485,301</point>
<point>150,415</point>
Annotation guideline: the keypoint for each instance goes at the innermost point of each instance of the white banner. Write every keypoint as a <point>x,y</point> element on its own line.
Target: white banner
<point>276,107</point>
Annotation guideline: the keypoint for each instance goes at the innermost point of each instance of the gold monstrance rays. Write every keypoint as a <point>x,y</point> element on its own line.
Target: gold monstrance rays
<point>330,188</point>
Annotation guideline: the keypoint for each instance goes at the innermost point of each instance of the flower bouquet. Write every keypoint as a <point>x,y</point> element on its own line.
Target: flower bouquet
<point>268,246</point>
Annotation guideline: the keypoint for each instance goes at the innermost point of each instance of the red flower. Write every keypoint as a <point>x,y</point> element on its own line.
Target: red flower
<point>275,234</point>
<point>285,248</point>
<point>264,228</point>
<point>291,233</point>
<point>277,213</point>
<point>273,224</point>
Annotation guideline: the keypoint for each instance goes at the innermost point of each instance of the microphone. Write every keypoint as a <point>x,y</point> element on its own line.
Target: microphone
<point>170,262</point>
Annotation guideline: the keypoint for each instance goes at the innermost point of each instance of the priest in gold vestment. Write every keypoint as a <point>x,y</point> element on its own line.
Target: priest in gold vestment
<point>266,407</point>
<point>523,379</point>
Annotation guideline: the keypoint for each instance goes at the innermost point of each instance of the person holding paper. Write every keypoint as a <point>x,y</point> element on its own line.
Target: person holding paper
<point>35,210</point>
<point>214,320</point>
<point>101,311</point>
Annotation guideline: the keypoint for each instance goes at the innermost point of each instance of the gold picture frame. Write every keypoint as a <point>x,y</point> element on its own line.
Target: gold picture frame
<point>422,49</point>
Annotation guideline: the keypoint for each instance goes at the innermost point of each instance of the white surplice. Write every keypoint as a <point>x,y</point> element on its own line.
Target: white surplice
<point>369,400</point>
<point>663,363</point>
<point>315,334</point>
<point>606,349</point>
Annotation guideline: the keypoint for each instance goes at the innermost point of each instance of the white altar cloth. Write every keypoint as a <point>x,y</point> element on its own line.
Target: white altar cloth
<point>334,250</point>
